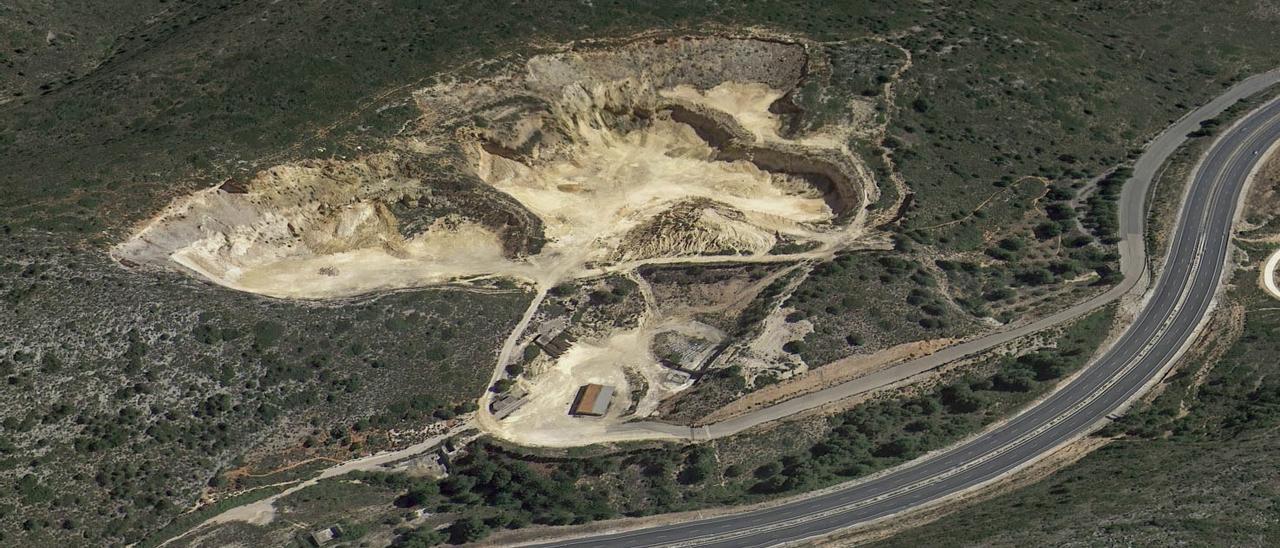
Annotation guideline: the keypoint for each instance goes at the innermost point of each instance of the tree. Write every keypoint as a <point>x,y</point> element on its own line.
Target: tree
<point>768,470</point>
<point>1060,193</point>
<point>959,398</point>
<point>467,529</point>
<point>1035,276</point>
<point>457,484</point>
<point>530,352</point>
<point>697,467</point>
<point>1047,230</point>
<point>905,447</point>
<point>1012,244</point>
<point>1060,211</point>
<point>775,484</point>
<point>420,538</point>
<point>266,333</point>
<point>999,294</point>
<point>1047,365</point>
<point>1016,380</point>
<point>421,493</point>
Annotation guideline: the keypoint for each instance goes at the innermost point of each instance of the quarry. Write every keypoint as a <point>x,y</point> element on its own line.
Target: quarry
<point>571,170</point>
<point>596,273</point>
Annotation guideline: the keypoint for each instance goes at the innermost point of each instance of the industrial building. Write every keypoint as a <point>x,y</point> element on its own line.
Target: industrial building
<point>592,400</point>
<point>555,345</point>
<point>508,403</point>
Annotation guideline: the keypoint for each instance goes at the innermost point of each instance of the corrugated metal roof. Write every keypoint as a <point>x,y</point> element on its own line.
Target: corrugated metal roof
<point>602,400</point>
<point>593,399</point>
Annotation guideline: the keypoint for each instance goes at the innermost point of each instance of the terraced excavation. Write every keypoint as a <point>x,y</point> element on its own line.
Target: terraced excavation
<point>578,166</point>
<point>581,164</point>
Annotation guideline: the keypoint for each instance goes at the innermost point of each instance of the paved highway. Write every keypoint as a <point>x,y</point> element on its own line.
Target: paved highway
<point>1133,263</point>
<point>1177,304</point>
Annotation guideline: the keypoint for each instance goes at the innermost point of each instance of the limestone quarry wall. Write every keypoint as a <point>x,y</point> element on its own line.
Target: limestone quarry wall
<point>569,163</point>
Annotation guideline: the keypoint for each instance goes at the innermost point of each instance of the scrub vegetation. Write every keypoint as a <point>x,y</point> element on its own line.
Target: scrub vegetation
<point>1195,466</point>
<point>129,393</point>
<point>499,487</point>
<point>127,396</point>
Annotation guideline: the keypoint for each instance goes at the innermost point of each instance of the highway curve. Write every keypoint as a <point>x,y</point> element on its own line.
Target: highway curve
<point>1176,306</point>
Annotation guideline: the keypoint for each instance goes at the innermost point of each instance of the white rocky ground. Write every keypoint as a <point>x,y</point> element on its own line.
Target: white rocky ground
<point>748,103</point>
<point>658,189</point>
<point>605,191</point>
<point>545,420</point>
<point>614,181</point>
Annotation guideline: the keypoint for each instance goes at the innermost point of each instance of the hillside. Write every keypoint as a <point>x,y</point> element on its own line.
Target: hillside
<point>135,389</point>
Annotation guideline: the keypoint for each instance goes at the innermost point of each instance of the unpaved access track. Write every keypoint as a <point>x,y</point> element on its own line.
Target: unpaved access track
<point>1174,309</point>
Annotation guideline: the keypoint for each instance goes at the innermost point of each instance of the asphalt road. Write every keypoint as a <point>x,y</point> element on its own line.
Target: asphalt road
<point>1133,262</point>
<point>1180,300</point>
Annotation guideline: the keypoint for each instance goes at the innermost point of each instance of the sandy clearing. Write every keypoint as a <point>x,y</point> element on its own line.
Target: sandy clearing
<point>439,256</point>
<point>651,195</point>
<point>613,182</point>
<point>254,514</point>
<point>614,360</point>
<point>748,103</point>
<point>545,419</point>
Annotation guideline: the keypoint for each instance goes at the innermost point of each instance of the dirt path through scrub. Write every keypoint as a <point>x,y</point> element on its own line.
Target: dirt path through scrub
<point>835,372</point>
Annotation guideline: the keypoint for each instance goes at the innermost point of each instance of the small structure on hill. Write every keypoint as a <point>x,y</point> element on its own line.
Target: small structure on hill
<point>683,352</point>
<point>555,345</point>
<point>592,400</point>
<point>675,377</point>
<point>508,403</point>
<point>432,465</point>
<point>320,537</point>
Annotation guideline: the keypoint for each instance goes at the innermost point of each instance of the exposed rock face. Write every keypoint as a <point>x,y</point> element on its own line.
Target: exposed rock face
<point>654,149</point>
<point>693,227</point>
<point>328,220</point>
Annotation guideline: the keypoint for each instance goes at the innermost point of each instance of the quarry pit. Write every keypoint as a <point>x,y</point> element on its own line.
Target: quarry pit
<point>571,166</point>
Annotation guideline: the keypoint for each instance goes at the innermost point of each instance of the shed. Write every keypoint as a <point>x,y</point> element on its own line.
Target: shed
<point>320,537</point>
<point>592,400</point>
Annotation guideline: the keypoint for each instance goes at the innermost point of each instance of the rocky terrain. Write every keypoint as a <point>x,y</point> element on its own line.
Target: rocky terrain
<point>331,154</point>
<point>573,162</point>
